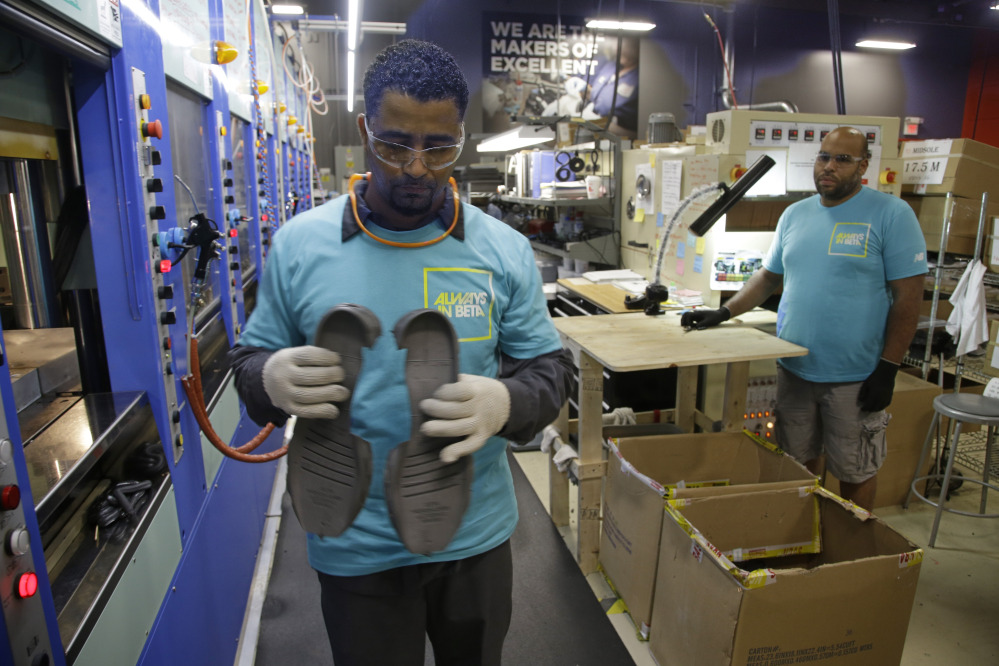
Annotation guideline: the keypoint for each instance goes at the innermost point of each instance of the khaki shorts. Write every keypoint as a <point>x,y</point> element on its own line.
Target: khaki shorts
<point>815,418</point>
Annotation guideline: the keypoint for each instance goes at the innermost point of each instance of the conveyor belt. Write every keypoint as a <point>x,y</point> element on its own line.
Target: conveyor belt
<point>556,617</point>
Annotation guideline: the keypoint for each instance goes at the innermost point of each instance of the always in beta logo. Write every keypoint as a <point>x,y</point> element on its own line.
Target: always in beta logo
<point>465,297</point>
<point>849,239</point>
<point>456,304</point>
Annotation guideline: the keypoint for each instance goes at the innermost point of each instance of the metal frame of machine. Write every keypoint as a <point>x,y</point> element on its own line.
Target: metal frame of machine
<point>179,595</point>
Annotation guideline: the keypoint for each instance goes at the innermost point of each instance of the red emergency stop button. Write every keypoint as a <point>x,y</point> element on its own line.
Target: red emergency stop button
<point>26,584</point>
<point>10,497</point>
<point>153,129</point>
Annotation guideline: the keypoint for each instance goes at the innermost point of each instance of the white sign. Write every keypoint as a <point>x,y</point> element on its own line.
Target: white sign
<point>929,171</point>
<point>929,148</point>
<point>672,180</point>
<point>773,182</point>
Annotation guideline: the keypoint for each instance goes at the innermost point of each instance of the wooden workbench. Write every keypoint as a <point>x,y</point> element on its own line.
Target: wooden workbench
<point>636,341</point>
<point>602,294</point>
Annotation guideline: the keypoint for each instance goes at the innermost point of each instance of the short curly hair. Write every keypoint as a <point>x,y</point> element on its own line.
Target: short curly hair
<point>418,69</point>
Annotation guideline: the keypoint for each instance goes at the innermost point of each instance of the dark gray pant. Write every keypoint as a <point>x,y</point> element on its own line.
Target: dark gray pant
<point>384,618</point>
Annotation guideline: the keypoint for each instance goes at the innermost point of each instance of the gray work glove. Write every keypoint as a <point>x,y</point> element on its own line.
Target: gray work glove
<point>474,407</point>
<point>701,319</point>
<point>305,381</point>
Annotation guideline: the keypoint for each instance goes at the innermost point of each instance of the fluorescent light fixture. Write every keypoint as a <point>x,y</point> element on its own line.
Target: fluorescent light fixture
<point>885,44</point>
<point>629,26</point>
<point>518,137</point>
<point>289,10</point>
<point>350,81</point>
<point>994,5</point>
<point>353,15</point>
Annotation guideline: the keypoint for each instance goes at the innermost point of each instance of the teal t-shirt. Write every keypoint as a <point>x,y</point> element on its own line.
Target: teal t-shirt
<point>836,262</point>
<point>490,289</point>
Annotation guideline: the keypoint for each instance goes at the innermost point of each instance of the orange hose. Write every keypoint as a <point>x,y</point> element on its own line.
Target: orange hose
<point>195,396</point>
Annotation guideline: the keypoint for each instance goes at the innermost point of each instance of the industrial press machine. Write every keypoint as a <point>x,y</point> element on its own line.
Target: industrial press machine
<point>148,152</point>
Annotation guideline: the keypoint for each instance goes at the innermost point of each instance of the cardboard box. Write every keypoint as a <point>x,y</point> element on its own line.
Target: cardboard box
<point>972,166</point>
<point>819,580</point>
<point>643,471</point>
<point>931,211</point>
<point>911,409</point>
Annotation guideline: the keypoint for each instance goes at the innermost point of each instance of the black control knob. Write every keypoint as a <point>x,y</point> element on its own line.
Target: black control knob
<point>227,182</point>
<point>157,158</point>
<point>228,165</point>
<point>175,416</point>
<point>165,291</point>
<point>234,266</point>
<point>229,199</point>
<point>168,318</point>
<point>157,212</point>
<point>233,249</point>
<point>154,185</point>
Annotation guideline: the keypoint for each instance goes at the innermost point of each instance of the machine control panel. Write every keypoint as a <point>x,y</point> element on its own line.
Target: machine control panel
<point>23,612</point>
<point>767,133</point>
<point>235,278</point>
<point>166,315</point>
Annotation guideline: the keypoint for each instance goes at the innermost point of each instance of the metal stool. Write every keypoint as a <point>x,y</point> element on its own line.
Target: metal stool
<point>962,408</point>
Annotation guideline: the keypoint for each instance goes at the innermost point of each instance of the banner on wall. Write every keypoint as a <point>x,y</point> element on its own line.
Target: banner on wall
<point>545,65</point>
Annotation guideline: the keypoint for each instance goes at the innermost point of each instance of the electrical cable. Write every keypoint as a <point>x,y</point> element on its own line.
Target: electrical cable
<point>728,72</point>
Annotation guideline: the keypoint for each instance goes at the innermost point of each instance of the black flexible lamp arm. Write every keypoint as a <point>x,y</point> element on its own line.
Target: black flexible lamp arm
<point>731,195</point>
<point>655,292</point>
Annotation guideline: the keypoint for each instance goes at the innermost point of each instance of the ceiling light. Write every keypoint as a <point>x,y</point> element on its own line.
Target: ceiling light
<point>885,44</point>
<point>519,137</point>
<point>287,9</point>
<point>350,81</point>
<point>630,26</point>
<point>352,20</point>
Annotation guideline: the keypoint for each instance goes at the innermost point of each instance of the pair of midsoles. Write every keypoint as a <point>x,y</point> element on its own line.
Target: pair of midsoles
<point>329,467</point>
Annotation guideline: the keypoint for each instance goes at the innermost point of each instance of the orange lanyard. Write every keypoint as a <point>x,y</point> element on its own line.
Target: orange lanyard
<point>353,204</point>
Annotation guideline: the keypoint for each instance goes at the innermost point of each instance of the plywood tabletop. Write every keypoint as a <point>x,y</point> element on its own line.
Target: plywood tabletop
<point>636,341</point>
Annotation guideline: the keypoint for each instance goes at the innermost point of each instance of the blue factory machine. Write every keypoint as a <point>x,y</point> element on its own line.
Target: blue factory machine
<point>148,152</point>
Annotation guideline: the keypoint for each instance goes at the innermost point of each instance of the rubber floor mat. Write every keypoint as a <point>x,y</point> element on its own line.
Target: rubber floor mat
<point>426,497</point>
<point>329,467</point>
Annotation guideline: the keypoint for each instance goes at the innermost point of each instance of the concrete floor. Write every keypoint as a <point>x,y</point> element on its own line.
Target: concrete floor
<point>956,607</point>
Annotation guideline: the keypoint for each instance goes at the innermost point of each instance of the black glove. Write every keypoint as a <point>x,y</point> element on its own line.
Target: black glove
<point>875,392</point>
<point>701,319</point>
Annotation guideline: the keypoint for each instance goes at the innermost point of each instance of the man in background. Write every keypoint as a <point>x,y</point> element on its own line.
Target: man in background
<point>851,261</point>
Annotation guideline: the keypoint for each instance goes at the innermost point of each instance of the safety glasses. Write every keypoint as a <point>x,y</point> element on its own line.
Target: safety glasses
<point>838,160</point>
<point>400,156</point>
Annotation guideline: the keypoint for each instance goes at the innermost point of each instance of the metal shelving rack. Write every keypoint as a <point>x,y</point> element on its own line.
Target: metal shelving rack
<point>605,248</point>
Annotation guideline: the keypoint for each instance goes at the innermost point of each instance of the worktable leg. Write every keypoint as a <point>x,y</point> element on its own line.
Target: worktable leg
<point>591,393</point>
<point>686,397</point>
<point>736,386</point>
<point>558,482</point>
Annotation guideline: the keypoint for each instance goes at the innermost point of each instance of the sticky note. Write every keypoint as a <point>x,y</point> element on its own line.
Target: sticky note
<point>640,215</point>
<point>699,246</point>
<point>681,250</point>
<point>659,223</point>
<point>698,264</point>
<point>679,266</point>
<point>652,160</point>
<point>691,239</point>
